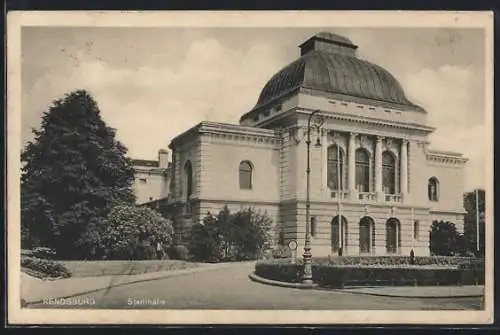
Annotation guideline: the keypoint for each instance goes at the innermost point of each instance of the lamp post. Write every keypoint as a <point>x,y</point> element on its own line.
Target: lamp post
<point>307,279</point>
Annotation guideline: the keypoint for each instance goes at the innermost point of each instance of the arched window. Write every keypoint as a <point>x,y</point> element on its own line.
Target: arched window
<point>388,173</point>
<point>433,189</point>
<point>362,171</point>
<point>336,243</point>
<point>245,175</point>
<point>188,178</point>
<point>366,234</point>
<point>335,167</point>
<point>393,235</point>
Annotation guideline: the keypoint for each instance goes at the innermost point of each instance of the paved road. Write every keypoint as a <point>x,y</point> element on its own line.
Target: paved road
<point>230,288</point>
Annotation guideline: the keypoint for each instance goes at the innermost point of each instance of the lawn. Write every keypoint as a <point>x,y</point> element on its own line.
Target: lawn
<point>113,268</point>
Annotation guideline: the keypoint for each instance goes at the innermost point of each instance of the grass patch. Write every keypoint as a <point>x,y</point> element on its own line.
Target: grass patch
<point>116,268</point>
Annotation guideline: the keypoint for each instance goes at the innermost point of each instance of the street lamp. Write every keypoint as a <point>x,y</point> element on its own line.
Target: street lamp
<point>307,279</point>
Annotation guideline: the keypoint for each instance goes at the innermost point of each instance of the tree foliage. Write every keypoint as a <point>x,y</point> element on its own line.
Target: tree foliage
<point>445,240</point>
<point>231,236</point>
<point>470,223</point>
<point>74,171</point>
<point>130,232</point>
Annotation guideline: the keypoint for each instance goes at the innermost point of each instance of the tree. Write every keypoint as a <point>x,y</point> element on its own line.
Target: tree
<point>444,239</point>
<point>130,232</point>
<point>205,240</point>
<point>74,172</point>
<point>251,233</point>
<point>470,224</point>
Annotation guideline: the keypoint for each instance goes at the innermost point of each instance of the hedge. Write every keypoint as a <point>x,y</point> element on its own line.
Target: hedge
<point>332,275</point>
<point>394,260</point>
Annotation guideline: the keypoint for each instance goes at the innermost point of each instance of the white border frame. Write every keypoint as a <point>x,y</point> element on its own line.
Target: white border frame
<point>16,20</point>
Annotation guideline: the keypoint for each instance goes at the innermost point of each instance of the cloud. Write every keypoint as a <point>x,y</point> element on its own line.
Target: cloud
<point>450,97</point>
<point>149,106</point>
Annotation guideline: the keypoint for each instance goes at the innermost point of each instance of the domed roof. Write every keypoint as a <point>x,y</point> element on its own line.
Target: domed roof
<point>329,64</point>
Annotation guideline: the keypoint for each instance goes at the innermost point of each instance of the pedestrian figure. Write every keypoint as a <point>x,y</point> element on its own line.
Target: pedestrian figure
<point>412,257</point>
<point>159,250</point>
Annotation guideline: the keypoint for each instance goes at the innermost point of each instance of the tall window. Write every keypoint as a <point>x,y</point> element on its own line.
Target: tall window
<point>188,178</point>
<point>388,173</point>
<point>335,165</point>
<point>313,226</point>
<point>416,230</point>
<point>393,235</point>
<point>336,243</point>
<point>366,234</point>
<point>362,170</point>
<point>433,189</point>
<point>245,175</point>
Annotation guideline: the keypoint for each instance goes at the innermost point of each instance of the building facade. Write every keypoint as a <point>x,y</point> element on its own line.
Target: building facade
<point>370,162</point>
<point>152,178</point>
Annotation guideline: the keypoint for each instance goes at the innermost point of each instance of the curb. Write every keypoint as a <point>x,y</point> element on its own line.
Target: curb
<point>261,280</point>
<point>166,275</point>
<point>410,296</point>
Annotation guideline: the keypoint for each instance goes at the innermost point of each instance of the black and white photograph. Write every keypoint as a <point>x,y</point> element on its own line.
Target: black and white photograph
<point>238,167</point>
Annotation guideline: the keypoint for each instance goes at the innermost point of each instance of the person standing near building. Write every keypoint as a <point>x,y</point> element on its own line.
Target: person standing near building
<point>159,250</point>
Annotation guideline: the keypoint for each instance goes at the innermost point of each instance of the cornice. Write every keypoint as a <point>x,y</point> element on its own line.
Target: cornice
<point>362,205</point>
<point>227,131</point>
<point>447,211</point>
<point>368,120</point>
<point>152,171</point>
<point>445,159</point>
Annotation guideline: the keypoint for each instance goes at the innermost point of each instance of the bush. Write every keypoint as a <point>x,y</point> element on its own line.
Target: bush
<point>45,267</point>
<point>131,232</point>
<point>282,252</point>
<point>178,252</point>
<point>243,235</point>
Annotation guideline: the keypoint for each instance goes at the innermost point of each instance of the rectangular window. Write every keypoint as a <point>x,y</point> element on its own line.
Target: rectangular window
<point>416,230</point>
<point>143,180</point>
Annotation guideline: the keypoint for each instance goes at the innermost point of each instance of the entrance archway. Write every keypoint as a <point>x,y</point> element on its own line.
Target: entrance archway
<point>338,243</point>
<point>393,235</point>
<point>366,235</point>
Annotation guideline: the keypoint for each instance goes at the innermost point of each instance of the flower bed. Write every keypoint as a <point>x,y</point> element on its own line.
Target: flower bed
<point>43,268</point>
<point>371,271</point>
<point>394,260</point>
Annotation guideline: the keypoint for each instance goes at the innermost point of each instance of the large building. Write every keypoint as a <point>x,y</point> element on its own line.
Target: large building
<point>152,178</point>
<point>370,161</point>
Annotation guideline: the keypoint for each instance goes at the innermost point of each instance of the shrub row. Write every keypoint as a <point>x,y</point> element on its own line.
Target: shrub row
<point>339,276</point>
<point>394,260</point>
<point>285,272</point>
<point>45,267</point>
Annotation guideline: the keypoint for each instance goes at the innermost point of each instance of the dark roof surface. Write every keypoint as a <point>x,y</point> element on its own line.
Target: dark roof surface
<point>145,162</point>
<point>325,69</point>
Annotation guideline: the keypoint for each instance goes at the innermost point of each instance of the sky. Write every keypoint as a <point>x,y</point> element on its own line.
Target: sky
<point>151,84</point>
